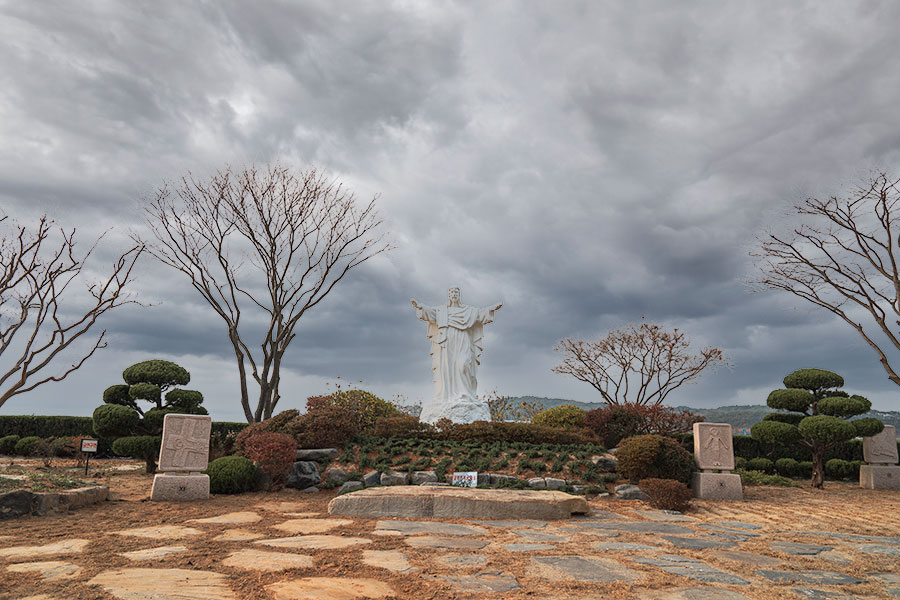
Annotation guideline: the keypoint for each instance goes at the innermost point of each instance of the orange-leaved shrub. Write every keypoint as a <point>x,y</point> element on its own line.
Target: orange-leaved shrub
<point>615,423</point>
<point>277,424</point>
<point>666,494</point>
<point>565,416</point>
<point>365,406</point>
<point>273,453</point>
<point>654,456</point>
<point>325,427</point>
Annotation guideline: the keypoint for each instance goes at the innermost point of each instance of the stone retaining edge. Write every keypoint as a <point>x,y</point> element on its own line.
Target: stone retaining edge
<point>24,502</point>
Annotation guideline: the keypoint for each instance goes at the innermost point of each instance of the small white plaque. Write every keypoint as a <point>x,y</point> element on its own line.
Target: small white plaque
<point>465,479</point>
<point>88,445</point>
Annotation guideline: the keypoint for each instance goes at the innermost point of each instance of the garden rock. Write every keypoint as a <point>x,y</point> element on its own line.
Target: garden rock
<point>315,542</point>
<point>153,553</point>
<point>391,560</point>
<point>461,561</point>
<point>349,486</point>
<point>342,588</point>
<point>629,492</point>
<point>394,478</point>
<point>264,560</point>
<point>420,477</point>
<point>692,569</point>
<point>483,582</point>
<point>336,474</point>
<point>436,541</point>
<point>814,577</point>
<point>606,463</point>
<point>698,544</point>
<point>14,504</point>
<point>555,484</point>
<point>431,527</point>
<point>50,570</point>
<point>317,454</point>
<point>304,474</point>
<point>184,584</point>
<point>372,478</point>
<point>798,549</point>
<point>537,483</point>
<point>61,547</point>
<point>585,569</point>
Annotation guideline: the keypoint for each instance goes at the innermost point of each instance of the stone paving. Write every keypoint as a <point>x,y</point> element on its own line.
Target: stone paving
<point>703,560</point>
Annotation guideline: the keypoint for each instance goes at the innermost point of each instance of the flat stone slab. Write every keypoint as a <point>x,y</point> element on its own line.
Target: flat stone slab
<point>728,530</point>
<point>665,515</point>
<point>535,535</point>
<point>748,558</point>
<point>153,584</point>
<point>695,593</point>
<point>885,577</point>
<point>813,577</point>
<point>153,553</point>
<point>741,525</point>
<point>618,546</point>
<point>238,535</point>
<point>698,543</point>
<point>458,503</point>
<point>526,547</point>
<point>483,582</point>
<point>315,542</point>
<point>160,532</point>
<point>692,569</point>
<point>582,568</point>
<point>881,539</point>
<point>878,549</point>
<point>434,541</point>
<point>798,549</point>
<point>62,547</point>
<point>391,560</point>
<point>637,527</point>
<point>513,523</point>
<point>51,570</point>
<point>286,507</point>
<point>835,557</point>
<point>329,588</point>
<point>233,518</point>
<point>311,525</point>
<point>461,561</point>
<point>262,560</point>
<point>430,527</point>
<point>822,594</point>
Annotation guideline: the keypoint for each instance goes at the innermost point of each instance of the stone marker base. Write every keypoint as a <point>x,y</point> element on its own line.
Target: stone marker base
<point>717,486</point>
<point>458,503</point>
<point>879,477</point>
<point>179,488</point>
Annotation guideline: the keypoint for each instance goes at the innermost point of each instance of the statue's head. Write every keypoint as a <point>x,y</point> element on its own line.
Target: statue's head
<point>453,295</point>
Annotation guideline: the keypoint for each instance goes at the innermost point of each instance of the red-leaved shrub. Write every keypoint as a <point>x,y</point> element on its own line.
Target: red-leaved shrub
<point>615,423</point>
<point>666,494</point>
<point>273,453</point>
<point>325,427</point>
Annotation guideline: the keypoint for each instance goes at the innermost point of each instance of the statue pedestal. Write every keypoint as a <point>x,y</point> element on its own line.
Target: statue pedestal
<point>717,486</point>
<point>180,488</point>
<point>461,410</point>
<point>879,477</point>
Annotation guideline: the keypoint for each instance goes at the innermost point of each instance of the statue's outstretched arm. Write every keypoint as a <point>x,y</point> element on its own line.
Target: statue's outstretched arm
<point>496,306</point>
<point>414,303</point>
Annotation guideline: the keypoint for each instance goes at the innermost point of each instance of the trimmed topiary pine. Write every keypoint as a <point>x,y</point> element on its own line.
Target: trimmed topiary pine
<point>144,447</point>
<point>148,381</point>
<point>821,419</point>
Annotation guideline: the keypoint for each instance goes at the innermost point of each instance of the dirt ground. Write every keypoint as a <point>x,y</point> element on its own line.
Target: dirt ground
<point>781,512</point>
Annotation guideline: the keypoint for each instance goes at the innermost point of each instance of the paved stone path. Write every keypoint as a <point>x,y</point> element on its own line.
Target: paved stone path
<point>699,559</point>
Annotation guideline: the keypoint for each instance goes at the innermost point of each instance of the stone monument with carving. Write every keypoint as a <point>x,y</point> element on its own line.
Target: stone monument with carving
<point>183,454</point>
<point>880,451</point>
<point>456,332</point>
<point>714,453</point>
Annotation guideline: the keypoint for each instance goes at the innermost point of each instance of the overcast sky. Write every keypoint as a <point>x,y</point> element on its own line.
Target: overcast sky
<point>586,163</point>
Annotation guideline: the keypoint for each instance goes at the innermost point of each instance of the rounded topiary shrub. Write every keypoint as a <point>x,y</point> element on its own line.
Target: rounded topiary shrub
<point>837,468</point>
<point>787,467</point>
<point>565,416</point>
<point>8,444</point>
<point>115,420</point>
<point>760,464</point>
<point>65,446</point>
<point>654,456</point>
<point>667,494</point>
<point>26,446</point>
<point>804,469</point>
<point>230,475</point>
<point>157,372</point>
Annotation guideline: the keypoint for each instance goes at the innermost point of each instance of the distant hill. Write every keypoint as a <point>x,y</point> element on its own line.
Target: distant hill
<point>739,417</point>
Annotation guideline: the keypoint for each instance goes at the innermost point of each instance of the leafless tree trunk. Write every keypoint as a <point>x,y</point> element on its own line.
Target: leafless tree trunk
<point>845,260</point>
<point>637,366</point>
<point>37,323</point>
<point>299,234</point>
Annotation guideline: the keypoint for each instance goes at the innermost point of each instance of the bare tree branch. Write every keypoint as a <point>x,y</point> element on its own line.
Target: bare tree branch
<point>295,236</point>
<point>636,366</point>
<point>36,273</point>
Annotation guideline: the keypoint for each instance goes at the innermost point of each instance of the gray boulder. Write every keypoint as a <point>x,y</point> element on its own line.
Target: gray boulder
<point>606,463</point>
<point>336,474</point>
<point>554,484</point>
<point>629,492</point>
<point>537,483</point>
<point>317,453</point>
<point>304,474</point>
<point>394,478</point>
<point>420,477</point>
<point>372,478</point>
<point>349,486</point>
<point>497,478</point>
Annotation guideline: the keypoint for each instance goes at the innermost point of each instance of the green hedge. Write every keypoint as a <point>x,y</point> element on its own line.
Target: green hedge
<point>47,426</point>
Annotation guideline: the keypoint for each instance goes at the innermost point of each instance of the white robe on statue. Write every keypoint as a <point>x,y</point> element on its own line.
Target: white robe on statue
<point>455,333</point>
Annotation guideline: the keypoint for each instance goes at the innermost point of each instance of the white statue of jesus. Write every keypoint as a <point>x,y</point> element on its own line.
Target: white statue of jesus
<point>455,331</point>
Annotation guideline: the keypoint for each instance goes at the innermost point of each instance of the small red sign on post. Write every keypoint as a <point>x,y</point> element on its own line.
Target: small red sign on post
<point>88,445</point>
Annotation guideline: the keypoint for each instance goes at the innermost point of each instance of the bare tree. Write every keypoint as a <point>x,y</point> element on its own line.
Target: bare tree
<point>637,365</point>
<point>299,234</point>
<point>39,318</point>
<point>845,261</point>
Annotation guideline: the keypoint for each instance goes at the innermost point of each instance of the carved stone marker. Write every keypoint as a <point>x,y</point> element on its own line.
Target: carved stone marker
<point>184,452</point>
<point>713,451</point>
<point>881,451</point>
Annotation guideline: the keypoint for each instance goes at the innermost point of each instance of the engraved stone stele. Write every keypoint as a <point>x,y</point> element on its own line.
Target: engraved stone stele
<point>713,451</point>
<point>881,451</point>
<point>183,453</point>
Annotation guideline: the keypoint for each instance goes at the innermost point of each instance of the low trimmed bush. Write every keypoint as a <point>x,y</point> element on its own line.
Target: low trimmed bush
<point>274,453</point>
<point>804,469</point>
<point>8,444</point>
<point>65,447</point>
<point>27,445</point>
<point>654,457</point>
<point>230,475</point>
<point>565,416</point>
<point>787,467</point>
<point>667,494</point>
<point>837,468</point>
<point>760,464</point>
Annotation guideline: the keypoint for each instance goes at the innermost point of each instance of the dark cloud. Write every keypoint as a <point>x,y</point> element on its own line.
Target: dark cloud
<point>588,165</point>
